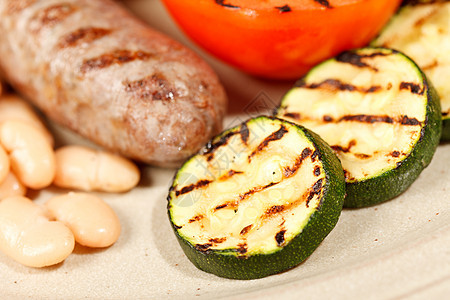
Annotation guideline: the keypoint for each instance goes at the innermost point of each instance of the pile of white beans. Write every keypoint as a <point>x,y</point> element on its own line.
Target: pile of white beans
<point>42,235</point>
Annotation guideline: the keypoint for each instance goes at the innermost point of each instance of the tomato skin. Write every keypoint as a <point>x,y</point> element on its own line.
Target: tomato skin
<point>282,45</point>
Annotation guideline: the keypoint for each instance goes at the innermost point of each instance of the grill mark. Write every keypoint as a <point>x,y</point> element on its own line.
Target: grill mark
<point>152,87</point>
<point>255,190</point>
<point>356,59</point>
<point>315,155</point>
<point>317,171</point>
<point>221,206</point>
<point>203,247</point>
<point>395,153</point>
<point>277,135</point>
<point>212,147</point>
<point>54,14</point>
<point>362,155</point>
<point>338,148</point>
<point>235,203</point>
<point>242,248</point>
<point>324,3</point>
<point>279,238</point>
<point>246,229</point>
<point>82,35</point>
<point>244,133</point>
<point>222,3</point>
<point>315,190</point>
<point>17,6</point>
<point>191,187</point>
<point>327,119</point>
<point>216,241</point>
<point>405,120</point>
<point>295,116</point>
<point>433,65</point>
<point>412,87</point>
<point>196,218</point>
<point>230,174</point>
<point>273,210</point>
<point>283,9</point>
<point>290,171</point>
<point>337,85</point>
<point>118,57</point>
<point>367,119</point>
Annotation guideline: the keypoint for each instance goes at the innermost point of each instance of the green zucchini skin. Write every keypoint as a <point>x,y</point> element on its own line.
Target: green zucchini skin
<point>394,182</point>
<point>244,267</point>
<point>391,183</point>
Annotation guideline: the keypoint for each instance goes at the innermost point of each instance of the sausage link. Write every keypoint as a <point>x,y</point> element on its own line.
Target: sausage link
<point>96,69</point>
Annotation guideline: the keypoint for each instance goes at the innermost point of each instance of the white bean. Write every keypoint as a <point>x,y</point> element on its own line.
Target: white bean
<point>32,157</point>
<point>11,186</point>
<point>4,164</point>
<point>85,169</point>
<point>12,107</point>
<point>27,235</point>
<point>93,222</point>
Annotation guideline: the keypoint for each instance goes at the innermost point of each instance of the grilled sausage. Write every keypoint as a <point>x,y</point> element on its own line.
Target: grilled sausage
<point>94,68</point>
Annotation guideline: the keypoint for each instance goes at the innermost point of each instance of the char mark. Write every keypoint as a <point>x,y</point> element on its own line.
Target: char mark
<point>324,3</point>
<point>367,119</point>
<point>244,133</point>
<point>221,206</point>
<point>153,87</point>
<point>339,148</point>
<point>405,120</point>
<point>317,171</point>
<point>191,187</point>
<point>274,210</point>
<point>255,190</point>
<point>283,9</point>
<point>246,229</point>
<point>222,3</point>
<point>362,155</point>
<point>242,248</point>
<point>315,190</point>
<point>82,36</point>
<point>412,87</point>
<point>196,218</point>
<point>279,238</point>
<point>277,135</point>
<point>356,59</point>
<point>295,116</point>
<point>117,57</point>
<point>203,247</point>
<point>327,119</point>
<point>291,170</point>
<point>211,147</point>
<point>54,14</point>
<point>395,153</point>
<point>337,85</point>
<point>218,240</point>
<point>230,174</point>
<point>315,155</point>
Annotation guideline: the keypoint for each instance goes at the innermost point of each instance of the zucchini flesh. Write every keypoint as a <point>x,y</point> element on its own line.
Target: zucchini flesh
<point>257,200</point>
<point>374,107</point>
<point>422,32</point>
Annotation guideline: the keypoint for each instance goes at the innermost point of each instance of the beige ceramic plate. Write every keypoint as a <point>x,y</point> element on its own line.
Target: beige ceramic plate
<point>400,249</point>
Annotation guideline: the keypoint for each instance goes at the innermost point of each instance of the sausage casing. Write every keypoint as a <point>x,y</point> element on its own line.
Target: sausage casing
<point>96,69</point>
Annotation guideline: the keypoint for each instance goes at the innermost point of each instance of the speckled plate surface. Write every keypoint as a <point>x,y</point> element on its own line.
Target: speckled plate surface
<point>397,250</point>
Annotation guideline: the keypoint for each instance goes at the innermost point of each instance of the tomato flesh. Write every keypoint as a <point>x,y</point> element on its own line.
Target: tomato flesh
<point>279,39</point>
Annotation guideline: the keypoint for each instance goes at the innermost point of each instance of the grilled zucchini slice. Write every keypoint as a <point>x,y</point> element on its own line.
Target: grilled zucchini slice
<point>422,31</point>
<point>257,200</point>
<point>378,112</point>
